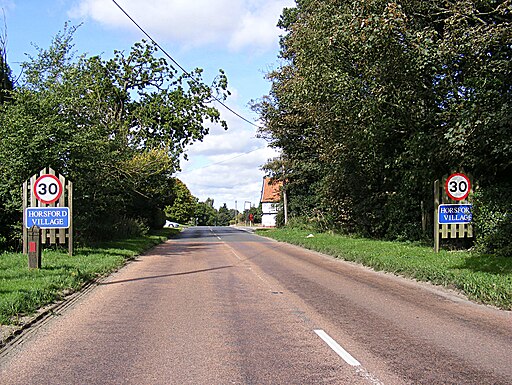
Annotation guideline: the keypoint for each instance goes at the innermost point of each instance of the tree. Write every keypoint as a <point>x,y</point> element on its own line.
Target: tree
<point>206,215</point>
<point>377,99</point>
<point>184,205</point>
<point>116,128</point>
<point>224,216</point>
<point>6,83</point>
<point>256,212</point>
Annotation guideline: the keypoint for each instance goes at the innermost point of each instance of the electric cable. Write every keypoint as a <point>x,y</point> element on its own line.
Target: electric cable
<point>180,67</point>
<point>221,162</point>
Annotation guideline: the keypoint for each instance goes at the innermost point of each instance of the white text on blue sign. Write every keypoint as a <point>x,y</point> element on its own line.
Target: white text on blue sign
<point>453,214</point>
<point>47,217</point>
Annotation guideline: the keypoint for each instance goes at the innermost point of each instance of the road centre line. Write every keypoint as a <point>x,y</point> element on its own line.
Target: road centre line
<point>250,268</point>
<point>337,348</point>
<point>213,232</point>
<point>347,357</point>
<point>227,245</point>
<point>233,252</point>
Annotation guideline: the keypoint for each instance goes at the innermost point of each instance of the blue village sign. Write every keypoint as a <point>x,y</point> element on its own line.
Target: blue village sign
<point>47,217</point>
<point>453,214</point>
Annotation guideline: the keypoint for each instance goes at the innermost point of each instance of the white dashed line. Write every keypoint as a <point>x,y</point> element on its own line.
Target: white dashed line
<point>213,232</point>
<point>346,356</point>
<point>360,370</point>
<point>337,348</point>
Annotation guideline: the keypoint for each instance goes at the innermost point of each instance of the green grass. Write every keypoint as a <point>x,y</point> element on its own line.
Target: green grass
<point>482,278</point>
<point>23,291</point>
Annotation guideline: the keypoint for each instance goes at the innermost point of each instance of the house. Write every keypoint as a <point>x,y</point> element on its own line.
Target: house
<point>270,198</point>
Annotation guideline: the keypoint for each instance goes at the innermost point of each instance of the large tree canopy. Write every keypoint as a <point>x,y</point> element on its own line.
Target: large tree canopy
<point>184,207</point>
<point>115,127</point>
<point>377,99</point>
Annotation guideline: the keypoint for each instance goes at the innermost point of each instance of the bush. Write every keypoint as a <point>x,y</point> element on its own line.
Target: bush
<point>114,228</point>
<point>158,220</point>
<point>402,218</point>
<point>492,216</point>
<point>313,222</point>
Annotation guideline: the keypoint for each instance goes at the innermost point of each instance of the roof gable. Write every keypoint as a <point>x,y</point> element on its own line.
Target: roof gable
<point>271,191</point>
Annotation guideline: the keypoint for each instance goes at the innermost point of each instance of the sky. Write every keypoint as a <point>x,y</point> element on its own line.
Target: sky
<point>238,36</point>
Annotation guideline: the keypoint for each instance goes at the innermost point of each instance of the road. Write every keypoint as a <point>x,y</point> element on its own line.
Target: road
<point>222,306</point>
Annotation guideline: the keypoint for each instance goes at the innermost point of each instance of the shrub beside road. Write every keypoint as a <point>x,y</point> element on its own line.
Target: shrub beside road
<point>482,278</point>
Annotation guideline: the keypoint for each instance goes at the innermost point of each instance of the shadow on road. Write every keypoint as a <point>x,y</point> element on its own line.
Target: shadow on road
<point>165,275</point>
<point>190,242</point>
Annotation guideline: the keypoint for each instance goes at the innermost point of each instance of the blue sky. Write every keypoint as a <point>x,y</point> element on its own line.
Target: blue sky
<point>239,36</point>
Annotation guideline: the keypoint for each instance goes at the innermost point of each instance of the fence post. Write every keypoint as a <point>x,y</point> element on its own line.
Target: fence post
<point>34,248</point>
<point>436,216</point>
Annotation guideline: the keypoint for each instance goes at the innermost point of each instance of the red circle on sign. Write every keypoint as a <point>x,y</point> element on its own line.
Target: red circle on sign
<point>47,189</point>
<point>457,186</point>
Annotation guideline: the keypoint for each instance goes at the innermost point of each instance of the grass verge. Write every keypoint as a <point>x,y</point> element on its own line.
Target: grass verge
<point>24,291</point>
<point>482,278</point>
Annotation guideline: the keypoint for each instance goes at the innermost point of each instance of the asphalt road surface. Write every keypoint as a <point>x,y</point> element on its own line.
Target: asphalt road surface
<point>222,306</point>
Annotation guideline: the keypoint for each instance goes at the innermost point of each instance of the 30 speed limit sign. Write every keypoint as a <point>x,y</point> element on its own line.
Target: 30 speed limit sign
<point>47,188</point>
<point>457,186</point>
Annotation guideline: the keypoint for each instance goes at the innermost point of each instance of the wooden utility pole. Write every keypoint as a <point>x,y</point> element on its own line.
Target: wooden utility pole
<point>285,198</point>
<point>285,204</point>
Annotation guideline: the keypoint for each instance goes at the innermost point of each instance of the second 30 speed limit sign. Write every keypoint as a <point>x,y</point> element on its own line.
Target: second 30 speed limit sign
<point>458,186</point>
<point>47,189</point>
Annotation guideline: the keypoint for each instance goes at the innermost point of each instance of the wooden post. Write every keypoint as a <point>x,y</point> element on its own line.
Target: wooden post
<point>70,229</point>
<point>34,248</point>
<point>24,206</point>
<point>436,216</point>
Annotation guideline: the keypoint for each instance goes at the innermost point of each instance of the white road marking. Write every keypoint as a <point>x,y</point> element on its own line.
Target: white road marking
<point>360,370</point>
<point>233,251</point>
<point>337,348</point>
<point>368,376</point>
<point>213,232</point>
<point>250,268</point>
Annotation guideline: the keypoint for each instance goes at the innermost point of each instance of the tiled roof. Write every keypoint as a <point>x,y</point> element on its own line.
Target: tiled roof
<point>271,192</point>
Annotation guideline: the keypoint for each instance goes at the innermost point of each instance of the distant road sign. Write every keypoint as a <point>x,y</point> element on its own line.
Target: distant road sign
<point>47,189</point>
<point>452,214</point>
<point>458,186</point>
<point>47,217</point>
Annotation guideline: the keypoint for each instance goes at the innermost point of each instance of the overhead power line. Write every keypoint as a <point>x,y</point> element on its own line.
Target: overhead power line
<point>180,67</point>
<point>221,162</point>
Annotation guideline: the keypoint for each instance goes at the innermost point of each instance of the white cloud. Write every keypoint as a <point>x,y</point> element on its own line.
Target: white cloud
<point>239,138</point>
<point>259,27</point>
<point>220,143</point>
<point>226,166</point>
<point>232,24</point>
